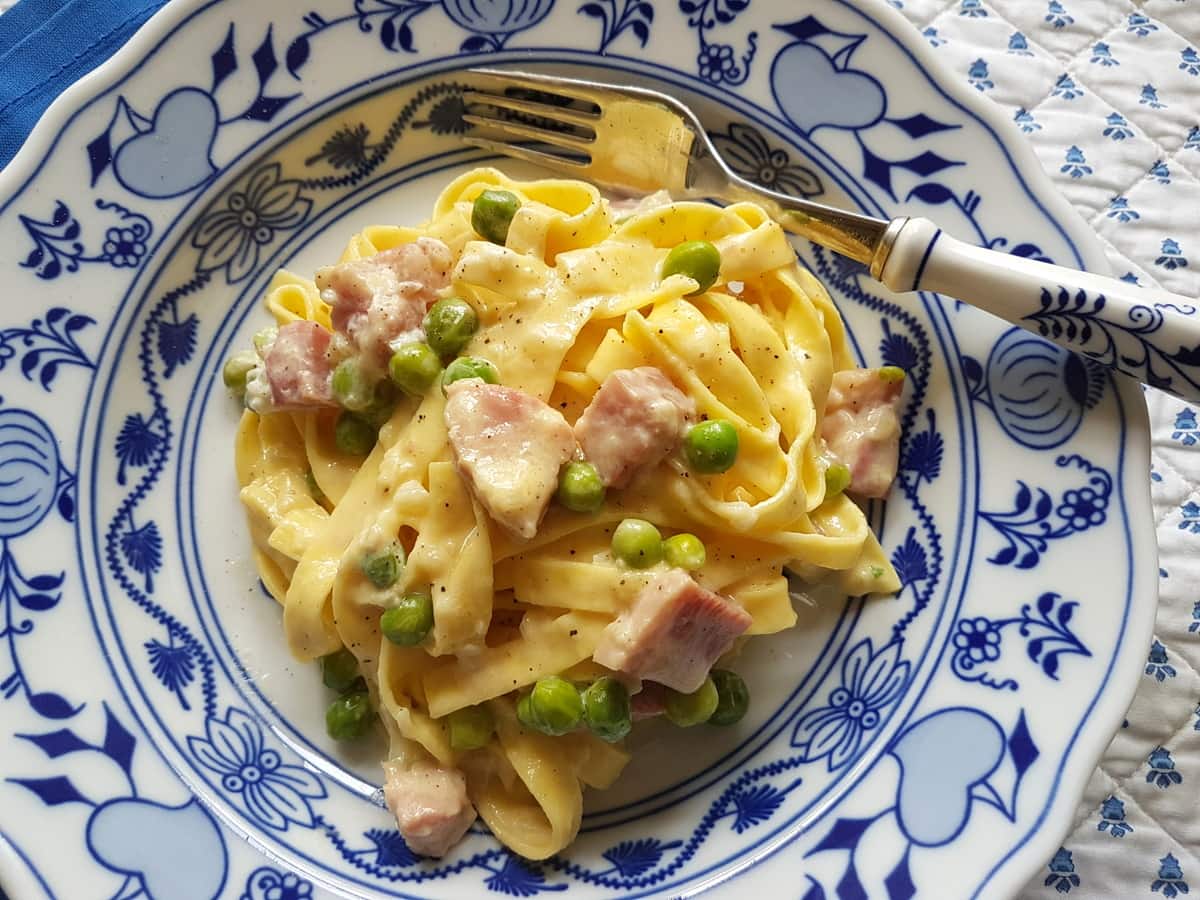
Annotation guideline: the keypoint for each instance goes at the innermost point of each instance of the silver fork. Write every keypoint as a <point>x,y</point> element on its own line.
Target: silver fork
<point>636,140</point>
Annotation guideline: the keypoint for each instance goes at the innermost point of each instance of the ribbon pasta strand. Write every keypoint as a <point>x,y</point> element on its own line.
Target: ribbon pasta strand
<point>574,295</point>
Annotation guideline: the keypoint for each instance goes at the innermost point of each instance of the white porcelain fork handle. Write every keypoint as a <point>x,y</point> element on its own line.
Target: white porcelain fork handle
<point>1151,335</point>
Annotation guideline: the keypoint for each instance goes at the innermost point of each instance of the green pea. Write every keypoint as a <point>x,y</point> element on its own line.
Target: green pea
<point>339,670</point>
<point>637,543</point>
<point>686,710</point>
<point>492,214</point>
<point>580,488</point>
<point>470,367</point>
<point>384,567</point>
<point>410,620</point>
<point>349,717</point>
<point>890,374</point>
<point>525,713</point>
<point>685,551</point>
<point>236,369</point>
<point>698,260</point>
<point>264,339</point>
<point>449,326</point>
<point>471,728</point>
<point>837,479</point>
<point>354,435</point>
<point>351,387</point>
<point>556,705</point>
<point>711,447</point>
<point>383,403</point>
<point>606,709</point>
<point>414,367</point>
<point>733,697</point>
<point>314,489</point>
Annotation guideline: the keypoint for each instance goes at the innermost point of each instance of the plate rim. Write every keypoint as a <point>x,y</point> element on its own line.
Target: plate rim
<point>1034,849</point>
<point>1051,826</point>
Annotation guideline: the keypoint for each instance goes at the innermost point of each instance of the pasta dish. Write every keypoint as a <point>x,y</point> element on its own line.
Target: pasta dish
<point>536,469</point>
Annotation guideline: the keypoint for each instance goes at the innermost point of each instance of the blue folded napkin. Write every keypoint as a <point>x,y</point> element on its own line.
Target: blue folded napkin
<point>48,45</point>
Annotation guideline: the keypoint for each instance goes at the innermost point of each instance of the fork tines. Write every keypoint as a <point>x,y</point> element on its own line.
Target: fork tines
<point>545,122</point>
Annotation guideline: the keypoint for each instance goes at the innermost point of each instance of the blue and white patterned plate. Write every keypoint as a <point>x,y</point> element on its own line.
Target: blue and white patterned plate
<point>159,741</point>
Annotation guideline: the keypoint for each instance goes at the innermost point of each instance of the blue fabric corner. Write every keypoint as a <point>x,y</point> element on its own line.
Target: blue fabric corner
<point>48,45</point>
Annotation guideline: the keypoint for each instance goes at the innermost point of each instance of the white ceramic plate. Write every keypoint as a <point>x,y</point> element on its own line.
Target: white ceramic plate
<point>158,738</point>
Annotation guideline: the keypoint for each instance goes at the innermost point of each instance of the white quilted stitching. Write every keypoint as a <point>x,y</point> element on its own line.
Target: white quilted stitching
<point>1165,712</point>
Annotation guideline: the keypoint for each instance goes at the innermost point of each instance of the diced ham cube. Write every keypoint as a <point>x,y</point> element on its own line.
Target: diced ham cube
<point>649,702</point>
<point>430,805</point>
<point>673,633</point>
<point>508,446</point>
<point>298,366</point>
<point>381,299</point>
<point>862,427</point>
<point>636,418</point>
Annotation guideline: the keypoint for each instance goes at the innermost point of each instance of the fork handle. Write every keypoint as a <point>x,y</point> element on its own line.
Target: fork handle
<point>1151,335</point>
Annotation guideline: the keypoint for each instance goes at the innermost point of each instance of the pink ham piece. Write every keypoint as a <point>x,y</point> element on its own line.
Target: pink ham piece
<point>430,805</point>
<point>508,446</point>
<point>673,633</point>
<point>862,427</point>
<point>636,418</point>
<point>298,367</point>
<point>382,299</point>
<point>649,702</point>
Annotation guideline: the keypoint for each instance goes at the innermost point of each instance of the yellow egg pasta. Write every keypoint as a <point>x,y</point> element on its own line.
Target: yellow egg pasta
<point>573,295</point>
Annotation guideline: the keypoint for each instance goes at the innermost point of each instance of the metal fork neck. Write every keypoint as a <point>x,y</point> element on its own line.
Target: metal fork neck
<point>850,234</point>
<point>862,238</point>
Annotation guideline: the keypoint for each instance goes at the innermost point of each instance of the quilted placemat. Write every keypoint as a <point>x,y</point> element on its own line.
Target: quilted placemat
<point>1108,93</point>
